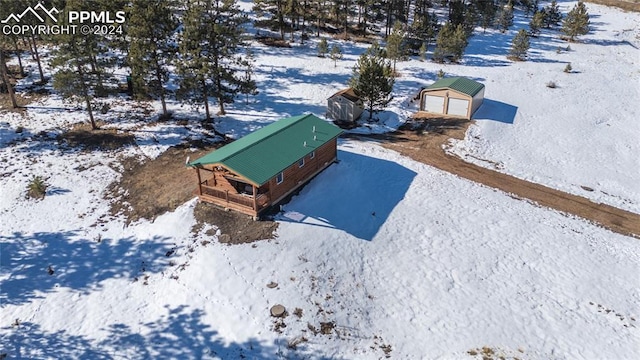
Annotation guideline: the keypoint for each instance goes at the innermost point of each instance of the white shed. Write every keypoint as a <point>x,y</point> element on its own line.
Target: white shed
<point>344,105</point>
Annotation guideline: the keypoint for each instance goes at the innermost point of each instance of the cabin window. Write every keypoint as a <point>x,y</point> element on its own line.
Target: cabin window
<point>279,178</point>
<point>312,155</point>
<point>301,162</point>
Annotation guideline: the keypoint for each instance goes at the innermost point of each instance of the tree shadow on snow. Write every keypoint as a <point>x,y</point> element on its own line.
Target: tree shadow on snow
<point>357,195</point>
<point>496,111</point>
<point>9,135</point>
<point>180,333</point>
<point>41,262</point>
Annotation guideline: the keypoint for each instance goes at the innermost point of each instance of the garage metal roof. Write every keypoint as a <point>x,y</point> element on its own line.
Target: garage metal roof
<point>460,84</point>
<point>266,152</point>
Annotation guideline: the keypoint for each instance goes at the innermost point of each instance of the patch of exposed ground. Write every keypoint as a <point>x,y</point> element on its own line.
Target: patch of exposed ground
<point>423,140</point>
<point>494,353</point>
<point>6,105</point>
<point>81,135</point>
<point>629,5</point>
<point>235,228</point>
<point>150,188</point>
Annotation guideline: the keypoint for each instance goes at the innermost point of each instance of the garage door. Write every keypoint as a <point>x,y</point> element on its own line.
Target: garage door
<point>434,104</point>
<point>458,107</point>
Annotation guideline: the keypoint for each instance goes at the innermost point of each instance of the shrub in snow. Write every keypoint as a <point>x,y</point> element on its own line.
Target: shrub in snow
<point>551,85</point>
<point>440,74</point>
<point>568,68</point>
<point>37,188</point>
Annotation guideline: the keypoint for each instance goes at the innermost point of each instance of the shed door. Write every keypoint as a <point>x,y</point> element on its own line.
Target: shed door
<point>458,107</point>
<point>434,104</point>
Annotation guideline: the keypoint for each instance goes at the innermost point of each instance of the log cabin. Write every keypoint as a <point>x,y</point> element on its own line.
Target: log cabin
<point>259,170</point>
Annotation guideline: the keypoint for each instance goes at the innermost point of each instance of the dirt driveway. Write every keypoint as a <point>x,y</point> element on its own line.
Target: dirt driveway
<point>424,143</point>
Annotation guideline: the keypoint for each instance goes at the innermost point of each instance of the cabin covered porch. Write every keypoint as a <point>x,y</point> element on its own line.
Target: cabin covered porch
<point>218,185</point>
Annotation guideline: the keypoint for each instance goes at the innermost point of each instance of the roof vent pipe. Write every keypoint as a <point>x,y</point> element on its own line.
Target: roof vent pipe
<point>305,144</point>
<point>314,128</point>
<point>315,138</point>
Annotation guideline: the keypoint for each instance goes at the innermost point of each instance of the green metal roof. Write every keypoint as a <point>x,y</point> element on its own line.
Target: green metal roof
<point>460,84</point>
<point>266,152</point>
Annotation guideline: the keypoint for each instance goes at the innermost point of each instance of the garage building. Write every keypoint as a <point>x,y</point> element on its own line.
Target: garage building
<point>455,96</point>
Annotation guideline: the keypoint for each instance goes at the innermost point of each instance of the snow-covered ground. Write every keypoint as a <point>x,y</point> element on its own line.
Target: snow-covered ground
<point>397,255</point>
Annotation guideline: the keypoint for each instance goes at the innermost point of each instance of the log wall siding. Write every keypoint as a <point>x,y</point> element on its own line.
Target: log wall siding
<point>295,176</point>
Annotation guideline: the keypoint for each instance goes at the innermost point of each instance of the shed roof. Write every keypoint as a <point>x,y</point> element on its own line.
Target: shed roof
<point>348,94</point>
<point>460,84</point>
<point>266,152</point>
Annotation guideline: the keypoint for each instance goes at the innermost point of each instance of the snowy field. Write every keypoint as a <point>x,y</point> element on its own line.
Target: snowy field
<point>584,132</point>
<point>394,257</point>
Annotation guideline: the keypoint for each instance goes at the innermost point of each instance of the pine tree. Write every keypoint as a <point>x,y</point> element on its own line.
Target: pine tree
<point>394,44</point>
<point>31,37</point>
<point>80,61</point>
<point>209,52</point>
<point>424,27</point>
<point>422,52</point>
<point>118,41</point>
<point>369,11</point>
<point>519,46</point>
<point>530,6</point>
<point>537,22</point>
<point>5,77</point>
<point>318,12</point>
<point>450,43</point>
<point>456,12</point>
<point>373,81</point>
<point>471,18</point>
<point>340,11</point>
<point>336,54</point>
<point>504,18</point>
<point>276,10</point>
<point>552,14</point>
<point>487,12</point>
<point>577,21</point>
<point>323,47</point>
<point>18,52</point>
<point>376,50</point>
<point>5,43</point>
<point>294,10</point>
<point>248,85</point>
<point>150,26</point>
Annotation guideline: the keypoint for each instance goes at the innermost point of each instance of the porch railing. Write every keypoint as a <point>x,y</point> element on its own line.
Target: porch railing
<point>244,200</point>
